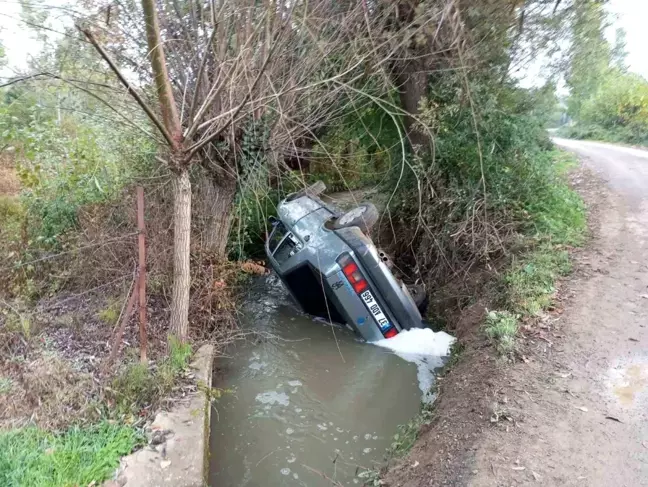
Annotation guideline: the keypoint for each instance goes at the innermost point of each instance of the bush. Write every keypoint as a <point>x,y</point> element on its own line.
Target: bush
<point>479,192</point>
<point>617,112</point>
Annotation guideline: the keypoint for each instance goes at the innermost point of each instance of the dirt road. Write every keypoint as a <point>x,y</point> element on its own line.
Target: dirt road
<point>574,410</point>
<point>581,414</point>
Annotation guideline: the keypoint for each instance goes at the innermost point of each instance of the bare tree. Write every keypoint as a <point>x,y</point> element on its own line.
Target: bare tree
<point>221,69</point>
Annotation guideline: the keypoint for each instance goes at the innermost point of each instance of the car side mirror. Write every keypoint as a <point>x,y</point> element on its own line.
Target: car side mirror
<point>273,221</point>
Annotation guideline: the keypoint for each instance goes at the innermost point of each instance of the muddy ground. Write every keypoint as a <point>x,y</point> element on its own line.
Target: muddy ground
<point>572,410</point>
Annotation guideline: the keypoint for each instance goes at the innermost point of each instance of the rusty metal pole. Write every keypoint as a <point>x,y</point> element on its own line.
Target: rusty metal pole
<point>141,278</point>
<point>119,331</point>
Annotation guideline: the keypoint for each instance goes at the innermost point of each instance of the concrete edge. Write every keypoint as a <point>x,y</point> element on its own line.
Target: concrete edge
<point>204,364</point>
<point>177,453</point>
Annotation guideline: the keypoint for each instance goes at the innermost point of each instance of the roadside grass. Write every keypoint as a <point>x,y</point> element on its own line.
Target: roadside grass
<point>614,135</point>
<point>137,386</point>
<point>531,282</point>
<point>79,456</point>
<point>501,327</point>
<point>557,222</point>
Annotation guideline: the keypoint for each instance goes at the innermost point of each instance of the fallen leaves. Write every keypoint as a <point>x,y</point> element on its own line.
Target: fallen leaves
<point>251,267</point>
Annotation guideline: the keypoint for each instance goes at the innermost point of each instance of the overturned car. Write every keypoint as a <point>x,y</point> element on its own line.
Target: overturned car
<point>329,264</point>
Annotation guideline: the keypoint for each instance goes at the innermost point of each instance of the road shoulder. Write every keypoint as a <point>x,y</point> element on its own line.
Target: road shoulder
<point>569,412</point>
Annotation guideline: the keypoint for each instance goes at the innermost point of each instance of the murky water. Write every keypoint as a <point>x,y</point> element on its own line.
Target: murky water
<point>308,408</point>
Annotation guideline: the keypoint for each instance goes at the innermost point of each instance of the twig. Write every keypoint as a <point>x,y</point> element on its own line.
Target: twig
<point>324,476</point>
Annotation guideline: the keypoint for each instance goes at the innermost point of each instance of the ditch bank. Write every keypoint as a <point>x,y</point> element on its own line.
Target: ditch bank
<point>177,451</point>
<point>488,407</point>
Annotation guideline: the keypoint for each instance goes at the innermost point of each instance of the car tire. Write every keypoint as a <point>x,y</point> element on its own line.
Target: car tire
<point>364,216</point>
<point>314,189</point>
<point>420,297</point>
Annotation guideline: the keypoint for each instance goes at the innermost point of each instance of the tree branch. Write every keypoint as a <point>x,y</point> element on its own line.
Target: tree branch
<point>140,101</point>
<point>199,145</point>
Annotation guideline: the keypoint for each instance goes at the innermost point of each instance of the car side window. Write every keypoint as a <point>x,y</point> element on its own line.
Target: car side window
<point>278,233</point>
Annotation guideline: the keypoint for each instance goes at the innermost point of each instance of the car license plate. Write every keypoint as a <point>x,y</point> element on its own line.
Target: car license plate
<point>375,310</point>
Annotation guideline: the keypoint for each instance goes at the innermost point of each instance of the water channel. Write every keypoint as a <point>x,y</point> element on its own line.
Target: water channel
<point>311,404</point>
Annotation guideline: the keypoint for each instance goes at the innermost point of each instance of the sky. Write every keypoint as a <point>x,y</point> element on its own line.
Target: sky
<point>20,43</point>
<point>633,17</point>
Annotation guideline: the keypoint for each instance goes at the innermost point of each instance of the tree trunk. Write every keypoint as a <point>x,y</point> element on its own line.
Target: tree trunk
<point>412,84</point>
<point>181,247</point>
<point>216,205</point>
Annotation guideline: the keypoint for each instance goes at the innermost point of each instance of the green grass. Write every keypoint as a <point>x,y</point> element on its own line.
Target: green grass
<point>556,212</point>
<point>528,288</point>
<point>530,282</point>
<point>32,457</point>
<point>501,327</point>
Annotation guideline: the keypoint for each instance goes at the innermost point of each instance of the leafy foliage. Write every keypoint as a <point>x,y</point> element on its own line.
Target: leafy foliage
<point>617,112</point>
<point>492,175</point>
<point>606,102</point>
<point>66,163</point>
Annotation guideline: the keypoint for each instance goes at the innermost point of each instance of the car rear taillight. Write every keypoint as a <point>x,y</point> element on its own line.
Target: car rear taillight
<point>360,285</point>
<point>392,332</point>
<point>352,273</point>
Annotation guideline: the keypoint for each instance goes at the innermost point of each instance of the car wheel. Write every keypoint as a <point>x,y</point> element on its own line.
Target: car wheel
<point>363,216</point>
<point>419,296</point>
<point>314,189</point>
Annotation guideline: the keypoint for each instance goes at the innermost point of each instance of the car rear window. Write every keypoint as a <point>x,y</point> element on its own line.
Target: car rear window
<point>278,233</point>
<point>308,288</point>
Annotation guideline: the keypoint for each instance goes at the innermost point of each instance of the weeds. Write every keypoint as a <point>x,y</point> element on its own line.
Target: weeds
<point>501,327</point>
<point>137,386</point>
<point>110,313</point>
<point>80,456</point>
<point>6,384</point>
<point>531,283</point>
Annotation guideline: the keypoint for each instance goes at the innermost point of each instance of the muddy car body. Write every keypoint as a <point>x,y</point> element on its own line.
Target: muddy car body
<point>331,267</point>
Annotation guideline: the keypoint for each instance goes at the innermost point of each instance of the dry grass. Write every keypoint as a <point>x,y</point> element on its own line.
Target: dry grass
<point>9,182</point>
<point>46,391</point>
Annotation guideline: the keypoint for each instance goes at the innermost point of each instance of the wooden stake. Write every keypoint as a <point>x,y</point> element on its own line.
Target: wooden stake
<point>141,277</point>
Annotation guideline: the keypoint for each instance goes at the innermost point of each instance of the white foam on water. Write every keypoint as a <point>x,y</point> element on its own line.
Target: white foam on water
<point>273,397</point>
<point>424,348</point>
<point>294,383</point>
<point>285,471</point>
